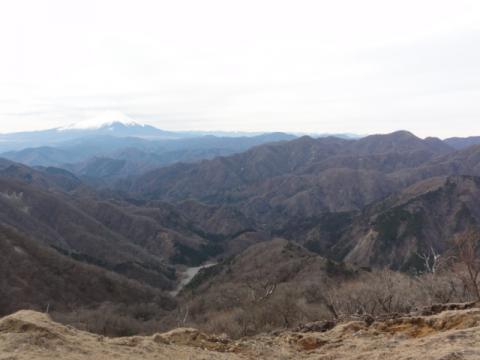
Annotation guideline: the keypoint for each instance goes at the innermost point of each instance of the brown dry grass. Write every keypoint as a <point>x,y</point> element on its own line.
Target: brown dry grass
<point>449,335</point>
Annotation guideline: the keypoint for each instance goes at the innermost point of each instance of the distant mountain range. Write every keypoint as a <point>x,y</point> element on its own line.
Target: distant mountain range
<point>288,168</point>
<point>311,190</point>
<point>102,150</point>
<point>113,146</point>
<point>109,124</point>
<point>132,212</point>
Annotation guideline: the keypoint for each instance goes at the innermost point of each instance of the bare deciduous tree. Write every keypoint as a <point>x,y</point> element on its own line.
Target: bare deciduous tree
<point>468,248</point>
<point>431,260</point>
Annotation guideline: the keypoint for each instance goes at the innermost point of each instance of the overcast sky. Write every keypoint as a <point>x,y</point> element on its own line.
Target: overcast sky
<point>367,66</point>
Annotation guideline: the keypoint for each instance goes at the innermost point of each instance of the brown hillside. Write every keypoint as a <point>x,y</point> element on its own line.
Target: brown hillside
<point>37,277</point>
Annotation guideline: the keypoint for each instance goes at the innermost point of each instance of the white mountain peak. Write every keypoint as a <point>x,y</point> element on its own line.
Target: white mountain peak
<point>102,120</point>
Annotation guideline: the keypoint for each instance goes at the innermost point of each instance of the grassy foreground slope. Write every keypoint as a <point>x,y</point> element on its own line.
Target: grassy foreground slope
<point>451,334</point>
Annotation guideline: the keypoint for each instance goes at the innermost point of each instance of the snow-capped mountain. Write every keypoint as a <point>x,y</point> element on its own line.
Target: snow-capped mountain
<point>104,120</point>
<point>110,124</point>
<point>111,130</point>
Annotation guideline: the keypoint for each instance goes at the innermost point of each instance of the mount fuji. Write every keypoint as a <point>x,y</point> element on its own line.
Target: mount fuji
<point>115,123</point>
<point>106,119</point>
<point>106,124</point>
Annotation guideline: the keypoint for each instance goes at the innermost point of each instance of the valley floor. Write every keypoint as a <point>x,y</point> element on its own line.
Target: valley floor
<point>450,335</point>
